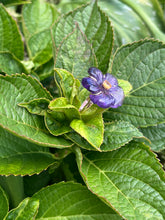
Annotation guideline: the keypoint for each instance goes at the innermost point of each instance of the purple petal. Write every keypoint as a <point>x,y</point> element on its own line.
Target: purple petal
<point>111,79</point>
<point>118,95</point>
<point>97,74</point>
<point>90,84</point>
<point>102,100</point>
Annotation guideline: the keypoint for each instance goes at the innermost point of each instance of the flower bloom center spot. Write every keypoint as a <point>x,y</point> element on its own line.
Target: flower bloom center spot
<point>106,85</point>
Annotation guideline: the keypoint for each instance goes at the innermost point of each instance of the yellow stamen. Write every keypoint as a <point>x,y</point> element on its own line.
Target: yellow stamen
<point>107,85</point>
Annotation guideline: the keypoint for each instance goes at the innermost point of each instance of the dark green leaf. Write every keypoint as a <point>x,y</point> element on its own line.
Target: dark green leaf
<point>3,204</point>
<point>129,179</point>
<point>20,89</point>
<point>94,25</point>
<point>117,134</point>
<point>142,64</point>
<point>71,201</point>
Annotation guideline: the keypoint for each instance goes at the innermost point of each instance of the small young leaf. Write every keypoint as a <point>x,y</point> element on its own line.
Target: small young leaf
<point>3,204</point>
<point>129,179</point>
<point>75,54</point>
<point>20,157</point>
<point>27,209</point>
<point>117,134</point>
<point>94,25</point>
<point>142,64</point>
<point>61,105</point>
<point>10,37</point>
<point>68,84</point>
<point>21,89</point>
<point>71,201</point>
<point>125,85</point>
<point>92,130</point>
<point>10,65</point>
<point>36,106</point>
<point>56,123</point>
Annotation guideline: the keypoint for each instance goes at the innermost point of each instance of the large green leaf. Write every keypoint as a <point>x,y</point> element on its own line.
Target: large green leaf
<point>130,179</point>
<point>10,37</point>
<point>20,89</point>
<point>117,134</point>
<point>94,25</point>
<point>20,157</point>
<point>27,209</point>
<point>156,135</point>
<point>3,204</point>
<point>142,64</point>
<point>75,54</point>
<point>10,65</point>
<point>37,17</point>
<point>71,201</point>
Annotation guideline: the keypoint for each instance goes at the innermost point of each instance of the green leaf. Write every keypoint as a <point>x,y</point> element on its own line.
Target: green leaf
<point>8,3</point>
<point>10,37</point>
<point>94,25</point>
<point>156,135</point>
<point>75,54</point>
<point>37,17</point>
<point>3,204</point>
<point>40,47</point>
<point>20,89</point>
<point>20,157</point>
<point>10,65</point>
<point>71,201</point>
<point>125,85</point>
<point>61,105</point>
<point>142,64</point>
<point>56,123</point>
<point>36,106</point>
<point>92,130</point>
<point>117,134</point>
<point>68,84</point>
<point>129,179</point>
<point>27,209</point>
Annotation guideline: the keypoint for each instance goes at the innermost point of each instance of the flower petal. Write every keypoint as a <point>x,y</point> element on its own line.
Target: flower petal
<point>118,95</point>
<point>102,100</point>
<point>90,84</point>
<point>97,74</point>
<point>111,79</point>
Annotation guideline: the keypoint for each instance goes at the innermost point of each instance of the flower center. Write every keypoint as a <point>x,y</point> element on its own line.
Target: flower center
<point>106,85</point>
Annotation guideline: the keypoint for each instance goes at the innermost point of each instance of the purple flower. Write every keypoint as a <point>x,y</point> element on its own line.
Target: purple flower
<point>104,89</point>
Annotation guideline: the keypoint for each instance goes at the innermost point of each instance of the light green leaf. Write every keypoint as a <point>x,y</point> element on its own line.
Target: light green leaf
<point>94,25</point>
<point>36,106</point>
<point>20,157</point>
<point>20,89</point>
<point>92,130</point>
<point>3,204</point>
<point>117,134</point>
<point>61,105</point>
<point>10,37</point>
<point>142,64</point>
<point>10,65</point>
<point>129,179</point>
<point>69,201</point>
<point>75,54</point>
<point>37,17</point>
<point>26,210</point>
<point>68,84</point>
<point>125,85</point>
<point>156,135</point>
<point>40,47</point>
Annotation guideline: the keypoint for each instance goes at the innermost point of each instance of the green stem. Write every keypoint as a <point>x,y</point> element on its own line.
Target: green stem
<point>155,31</point>
<point>13,185</point>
